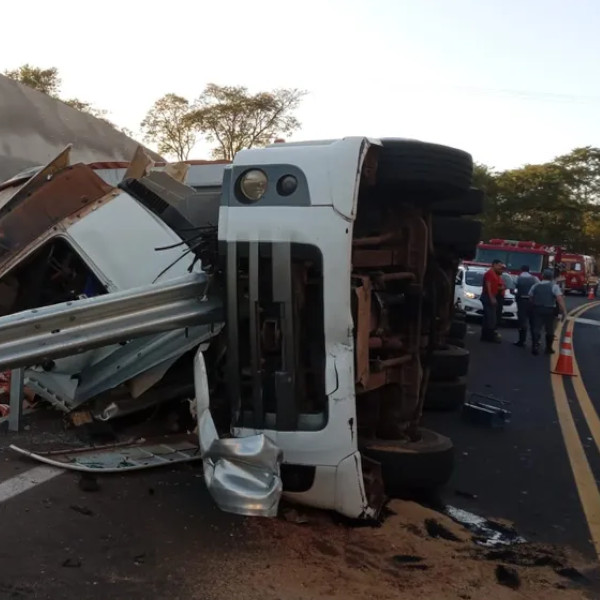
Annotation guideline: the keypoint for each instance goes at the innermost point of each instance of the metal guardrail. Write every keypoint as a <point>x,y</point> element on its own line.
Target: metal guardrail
<point>34,336</point>
<point>17,394</point>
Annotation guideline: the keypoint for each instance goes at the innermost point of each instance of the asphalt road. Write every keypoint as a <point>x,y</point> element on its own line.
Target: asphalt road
<point>522,473</point>
<point>142,535</point>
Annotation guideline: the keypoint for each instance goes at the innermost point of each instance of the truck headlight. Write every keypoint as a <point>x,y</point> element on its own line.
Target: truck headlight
<point>253,185</point>
<point>287,185</point>
<point>470,295</point>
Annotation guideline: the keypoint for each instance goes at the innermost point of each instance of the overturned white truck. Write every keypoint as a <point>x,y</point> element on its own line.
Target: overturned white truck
<point>323,277</point>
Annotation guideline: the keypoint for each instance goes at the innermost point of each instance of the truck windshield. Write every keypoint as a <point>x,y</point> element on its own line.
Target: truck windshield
<point>513,260</point>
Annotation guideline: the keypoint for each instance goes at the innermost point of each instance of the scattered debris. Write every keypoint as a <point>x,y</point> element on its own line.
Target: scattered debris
<point>464,494</point>
<point>395,560</point>
<point>413,529</point>
<point>436,530</point>
<point>572,574</point>
<point>531,556</point>
<point>88,483</point>
<point>115,459</point>
<point>486,532</point>
<point>82,510</point>
<point>73,563</point>
<point>407,558</point>
<point>324,547</point>
<point>488,411</point>
<point>80,417</point>
<point>508,576</point>
<point>293,516</point>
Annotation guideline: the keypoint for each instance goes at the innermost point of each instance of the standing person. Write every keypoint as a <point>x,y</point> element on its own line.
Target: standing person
<point>525,281</point>
<point>492,287</point>
<point>544,298</point>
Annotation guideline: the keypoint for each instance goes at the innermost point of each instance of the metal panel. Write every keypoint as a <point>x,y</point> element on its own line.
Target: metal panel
<point>242,475</point>
<point>45,174</point>
<point>287,411</point>
<point>233,348</point>
<point>138,356</point>
<point>72,327</point>
<point>68,192</point>
<point>17,393</point>
<point>124,228</point>
<point>253,308</point>
<point>120,458</point>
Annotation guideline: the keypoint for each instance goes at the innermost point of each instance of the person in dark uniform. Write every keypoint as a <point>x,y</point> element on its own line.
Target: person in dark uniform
<point>492,295</point>
<point>525,281</point>
<point>544,298</point>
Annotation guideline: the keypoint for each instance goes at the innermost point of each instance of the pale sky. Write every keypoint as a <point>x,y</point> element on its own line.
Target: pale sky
<point>511,81</point>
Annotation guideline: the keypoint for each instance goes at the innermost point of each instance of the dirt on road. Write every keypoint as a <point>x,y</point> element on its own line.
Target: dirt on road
<point>417,552</point>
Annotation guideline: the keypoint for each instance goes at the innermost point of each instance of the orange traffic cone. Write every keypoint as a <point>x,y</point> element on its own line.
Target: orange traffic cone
<point>591,294</point>
<point>564,364</point>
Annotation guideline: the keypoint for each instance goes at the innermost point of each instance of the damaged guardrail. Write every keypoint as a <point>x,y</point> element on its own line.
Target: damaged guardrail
<point>242,475</point>
<point>33,336</point>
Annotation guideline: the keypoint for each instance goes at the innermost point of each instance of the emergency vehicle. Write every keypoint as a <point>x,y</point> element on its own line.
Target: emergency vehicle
<point>580,273</point>
<point>515,254</point>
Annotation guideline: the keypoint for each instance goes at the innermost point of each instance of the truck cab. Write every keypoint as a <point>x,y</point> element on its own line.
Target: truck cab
<point>335,262</point>
<point>67,234</point>
<point>332,314</point>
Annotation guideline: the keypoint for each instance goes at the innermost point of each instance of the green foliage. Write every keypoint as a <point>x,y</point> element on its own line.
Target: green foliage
<point>166,124</point>
<point>86,107</point>
<point>555,203</point>
<point>46,81</point>
<point>234,119</point>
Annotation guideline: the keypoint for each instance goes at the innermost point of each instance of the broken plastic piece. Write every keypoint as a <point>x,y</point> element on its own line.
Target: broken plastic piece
<point>112,459</point>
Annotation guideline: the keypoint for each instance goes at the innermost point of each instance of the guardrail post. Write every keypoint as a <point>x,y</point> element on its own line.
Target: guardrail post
<point>17,380</point>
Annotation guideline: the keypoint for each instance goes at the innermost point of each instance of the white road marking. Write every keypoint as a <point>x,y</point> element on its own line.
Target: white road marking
<point>585,321</point>
<point>25,481</point>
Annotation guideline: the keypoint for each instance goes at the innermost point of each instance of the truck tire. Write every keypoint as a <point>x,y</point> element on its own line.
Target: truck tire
<point>470,203</point>
<point>459,235</point>
<point>420,167</point>
<point>446,395</point>
<point>448,363</point>
<point>451,231</point>
<point>407,467</point>
<point>458,330</point>
<point>459,314</point>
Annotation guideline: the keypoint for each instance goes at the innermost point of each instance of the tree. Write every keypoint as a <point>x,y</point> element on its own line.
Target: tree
<point>234,119</point>
<point>557,203</point>
<point>536,203</point>
<point>86,107</point>
<point>46,81</point>
<point>166,124</point>
<point>99,113</point>
<point>582,166</point>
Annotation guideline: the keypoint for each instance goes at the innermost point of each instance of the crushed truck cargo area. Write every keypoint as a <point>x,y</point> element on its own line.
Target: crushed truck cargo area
<point>298,301</point>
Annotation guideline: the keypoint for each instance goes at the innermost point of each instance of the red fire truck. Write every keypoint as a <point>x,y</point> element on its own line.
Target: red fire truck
<point>514,254</point>
<point>580,273</point>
